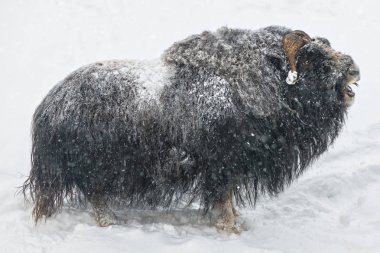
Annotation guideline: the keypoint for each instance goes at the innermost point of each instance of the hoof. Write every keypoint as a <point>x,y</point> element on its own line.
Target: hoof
<point>229,228</point>
<point>108,218</point>
<point>235,212</point>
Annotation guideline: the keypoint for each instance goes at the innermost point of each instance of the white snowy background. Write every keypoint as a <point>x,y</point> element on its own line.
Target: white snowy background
<point>334,207</point>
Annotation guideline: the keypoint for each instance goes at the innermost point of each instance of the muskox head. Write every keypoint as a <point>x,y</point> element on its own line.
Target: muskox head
<point>318,69</point>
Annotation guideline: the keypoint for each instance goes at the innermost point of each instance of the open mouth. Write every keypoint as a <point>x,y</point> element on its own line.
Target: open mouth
<point>351,82</point>
<point>349,94</point>
<point>348,89</point>
<point>353,78</point>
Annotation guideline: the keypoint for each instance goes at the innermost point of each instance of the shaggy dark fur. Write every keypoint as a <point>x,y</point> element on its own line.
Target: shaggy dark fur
<point>224,120</point>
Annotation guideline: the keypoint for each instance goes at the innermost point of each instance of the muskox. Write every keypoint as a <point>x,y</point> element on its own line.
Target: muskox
<point>221,118</point>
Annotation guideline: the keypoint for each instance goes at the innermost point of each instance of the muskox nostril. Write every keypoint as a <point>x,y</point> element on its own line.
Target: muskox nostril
<point>354,72</point>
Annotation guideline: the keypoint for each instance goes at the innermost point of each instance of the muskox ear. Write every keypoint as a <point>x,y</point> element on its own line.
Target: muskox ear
<point>291,43</point>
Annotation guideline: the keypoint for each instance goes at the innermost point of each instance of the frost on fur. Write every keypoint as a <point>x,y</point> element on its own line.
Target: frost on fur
<point>212,121</point>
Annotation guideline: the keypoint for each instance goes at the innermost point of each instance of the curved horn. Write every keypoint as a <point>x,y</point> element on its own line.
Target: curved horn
<point>291,43</point>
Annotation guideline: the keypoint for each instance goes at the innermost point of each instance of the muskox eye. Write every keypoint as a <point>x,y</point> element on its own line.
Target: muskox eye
<point>306,64</point>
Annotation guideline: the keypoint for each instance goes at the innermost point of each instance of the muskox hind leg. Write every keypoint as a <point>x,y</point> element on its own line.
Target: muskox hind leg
<point>104,216</point>
<point>227,215</point>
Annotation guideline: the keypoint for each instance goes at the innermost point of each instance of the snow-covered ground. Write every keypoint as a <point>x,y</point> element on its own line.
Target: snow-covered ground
<point>333,207</point>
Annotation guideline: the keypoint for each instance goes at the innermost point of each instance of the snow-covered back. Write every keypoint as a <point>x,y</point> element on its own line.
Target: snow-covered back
<point>333,207</point>
<point>152,75</point>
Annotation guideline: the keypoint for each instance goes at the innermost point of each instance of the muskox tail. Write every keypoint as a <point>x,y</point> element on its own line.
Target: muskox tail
<point>49,181</point>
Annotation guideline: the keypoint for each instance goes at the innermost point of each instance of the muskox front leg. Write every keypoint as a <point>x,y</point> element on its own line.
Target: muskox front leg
<point>227,215</point>
<point>104,216</point>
